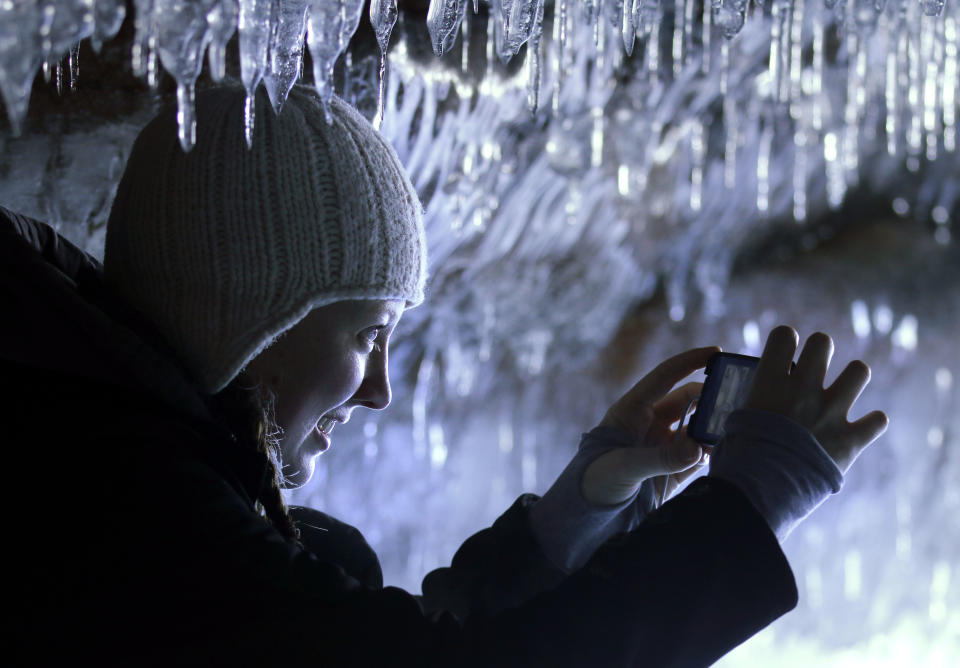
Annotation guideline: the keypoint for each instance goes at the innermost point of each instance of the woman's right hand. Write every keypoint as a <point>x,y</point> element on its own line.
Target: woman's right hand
<point>798,394</point>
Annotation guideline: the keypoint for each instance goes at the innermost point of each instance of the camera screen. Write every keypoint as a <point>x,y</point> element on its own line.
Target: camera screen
<point>734,386</point>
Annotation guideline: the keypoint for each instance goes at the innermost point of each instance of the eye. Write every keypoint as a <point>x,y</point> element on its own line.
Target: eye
<point>371,334</point>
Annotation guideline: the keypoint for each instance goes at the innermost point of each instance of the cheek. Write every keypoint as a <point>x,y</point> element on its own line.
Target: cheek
<point>339,378</point>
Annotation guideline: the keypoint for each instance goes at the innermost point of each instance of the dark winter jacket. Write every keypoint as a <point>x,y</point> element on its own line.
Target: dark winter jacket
<point>135,541</point>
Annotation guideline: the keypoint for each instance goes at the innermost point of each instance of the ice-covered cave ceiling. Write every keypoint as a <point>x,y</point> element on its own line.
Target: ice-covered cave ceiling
<point>603,188</point>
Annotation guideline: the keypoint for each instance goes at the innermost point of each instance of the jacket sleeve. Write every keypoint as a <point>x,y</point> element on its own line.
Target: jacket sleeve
<point>497,568</point>
<point>696,578</point>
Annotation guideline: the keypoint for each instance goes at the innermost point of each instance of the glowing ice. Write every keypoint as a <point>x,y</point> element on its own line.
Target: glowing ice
<point>729,16</point>
<point>932,7</point>
<point>108,17</point>
<point>222,20</point>
<point>526,16</point>
<point>254,27</point>
<point>329,29</point>
<point>181,34</point>
<point>58,25</point>
<point>443,20</point>
<point>18,62</point>
<point>285,52</point>
<point>383,16</point>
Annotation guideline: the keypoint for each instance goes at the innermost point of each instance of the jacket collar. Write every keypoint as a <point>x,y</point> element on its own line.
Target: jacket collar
<point>64,320</point>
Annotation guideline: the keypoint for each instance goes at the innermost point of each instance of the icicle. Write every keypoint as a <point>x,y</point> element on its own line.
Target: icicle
<point>653,51</point>
<point>249,119</point>
<point>851,114</point>
<point>562,13</point>
<point>773,62</point>
<point>590,13</point>
<point>58,77</point>
<point>783,90</point>
<point>47,71</point>
<point>796,58</point>
<point>836,183</point>
<point>559,32</point>
<point>222,23</point>
<point>181,36</point>
<point>698,153</point>
<point>143,29</point>
<point>763,168</point>
<point>866,13</point>
<point>891,103</point>
<point>951,75</point>
<point>817,87</point>
<point>383,16</point>
<point>329,29</point>
<point>186,116</point>
<point>687,31</point>
<point>729,120</point>
<point>677,51</point>
<point>930,108</point>
<point>153,72</point>
<point>285,52</point>
<point>18,61</point>
<point>421,396</point>
<point>729,15</point>
<point>706,34</point>
<point>596,137</point>
<point>108,18</point>
<point>254,28</point>
<point>800,175</point>
<point>932,7</point>
<point>525,15</point>
<point>73,60</point>
<point>533,62</point>
<point>465,46</point>
<point>724,69</point>
<point>646,13</point>
<point>915,100</point>
<point>627,28</point>
<point>63,25</point>
<point>443,20</point>
<point>499,18</point>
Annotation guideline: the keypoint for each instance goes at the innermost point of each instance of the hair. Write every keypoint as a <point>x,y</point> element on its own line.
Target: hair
<point>247,409</point>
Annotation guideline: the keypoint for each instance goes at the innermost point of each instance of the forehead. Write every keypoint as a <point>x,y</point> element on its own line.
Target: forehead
<point>361,310</point>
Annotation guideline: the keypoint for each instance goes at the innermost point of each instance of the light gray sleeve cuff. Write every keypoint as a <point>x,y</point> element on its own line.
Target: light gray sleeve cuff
<point>778,464</point>
<point>568,528</point>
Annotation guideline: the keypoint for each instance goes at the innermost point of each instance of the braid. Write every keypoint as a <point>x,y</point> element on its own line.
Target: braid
<point>249,413</point>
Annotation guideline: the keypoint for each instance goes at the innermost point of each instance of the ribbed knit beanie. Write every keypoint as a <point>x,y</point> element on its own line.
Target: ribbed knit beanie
<point>224,248</point>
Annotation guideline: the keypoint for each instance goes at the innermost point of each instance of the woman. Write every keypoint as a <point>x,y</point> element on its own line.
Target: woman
<point>244,308</point>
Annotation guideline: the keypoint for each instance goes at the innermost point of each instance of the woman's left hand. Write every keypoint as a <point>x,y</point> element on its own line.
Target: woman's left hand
<point>645,413</point>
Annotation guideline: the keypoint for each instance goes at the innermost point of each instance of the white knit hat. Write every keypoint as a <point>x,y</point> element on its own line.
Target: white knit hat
<point>225,247</point>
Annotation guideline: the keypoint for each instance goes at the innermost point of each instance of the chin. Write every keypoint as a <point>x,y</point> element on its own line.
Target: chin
<point>299,475</point>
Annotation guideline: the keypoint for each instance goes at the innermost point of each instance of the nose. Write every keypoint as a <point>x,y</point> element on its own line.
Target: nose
<point>374,392</point>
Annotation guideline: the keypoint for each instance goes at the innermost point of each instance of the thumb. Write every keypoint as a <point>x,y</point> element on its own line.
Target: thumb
<point>672,457</point>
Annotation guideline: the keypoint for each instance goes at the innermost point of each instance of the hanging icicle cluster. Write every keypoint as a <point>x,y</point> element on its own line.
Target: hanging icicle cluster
<point>918,48</point>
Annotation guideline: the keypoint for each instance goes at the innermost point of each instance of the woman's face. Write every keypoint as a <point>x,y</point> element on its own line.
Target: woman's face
<point>332,361</point>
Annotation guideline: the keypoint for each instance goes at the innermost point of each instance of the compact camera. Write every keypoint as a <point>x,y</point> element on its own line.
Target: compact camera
<point>729,377</point>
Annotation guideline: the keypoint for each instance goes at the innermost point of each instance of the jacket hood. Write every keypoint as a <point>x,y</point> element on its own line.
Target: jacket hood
<point>59,316</point>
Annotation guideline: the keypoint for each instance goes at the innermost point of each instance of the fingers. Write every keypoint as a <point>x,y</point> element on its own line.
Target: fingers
<point>651,388</point>
<point>671,407</point>
<point>870,427</point>
<point>814,360</point>
<point>669,458</point>
<point>857,437</point>
<point>778,352</point>
<point>839,397</point>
